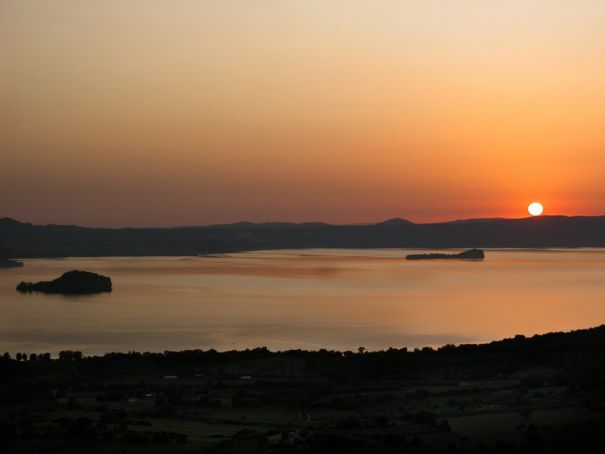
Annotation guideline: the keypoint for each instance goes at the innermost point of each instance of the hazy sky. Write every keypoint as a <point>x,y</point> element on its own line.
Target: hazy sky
<point>146,112</point>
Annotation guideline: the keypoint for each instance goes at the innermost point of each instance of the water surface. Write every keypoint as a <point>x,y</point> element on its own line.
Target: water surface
<point>335,299</point>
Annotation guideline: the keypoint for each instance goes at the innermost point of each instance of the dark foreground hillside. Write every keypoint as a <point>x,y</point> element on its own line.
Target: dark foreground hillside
<point>539,394</point>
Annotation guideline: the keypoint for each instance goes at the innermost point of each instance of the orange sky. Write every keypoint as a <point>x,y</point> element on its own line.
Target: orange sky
<point>141,113</point>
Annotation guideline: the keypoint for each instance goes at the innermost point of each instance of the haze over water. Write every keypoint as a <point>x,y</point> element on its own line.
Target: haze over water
<point>311,299</point>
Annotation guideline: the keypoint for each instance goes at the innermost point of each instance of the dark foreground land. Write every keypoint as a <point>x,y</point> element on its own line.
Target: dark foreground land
<point>539,394</point>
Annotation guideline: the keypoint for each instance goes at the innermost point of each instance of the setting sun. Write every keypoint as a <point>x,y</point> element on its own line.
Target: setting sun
<point>535,209</point>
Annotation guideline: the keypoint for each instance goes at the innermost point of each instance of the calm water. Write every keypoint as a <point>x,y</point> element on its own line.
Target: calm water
<point>312,299</point>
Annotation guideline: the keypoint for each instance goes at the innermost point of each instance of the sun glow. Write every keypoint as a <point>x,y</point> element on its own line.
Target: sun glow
<point>535,209</point>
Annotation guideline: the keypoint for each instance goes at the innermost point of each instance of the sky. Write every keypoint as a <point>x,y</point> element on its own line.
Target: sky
<point>182,112</point>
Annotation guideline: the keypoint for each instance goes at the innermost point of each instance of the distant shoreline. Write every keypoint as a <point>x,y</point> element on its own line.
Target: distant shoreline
<point>586,249</point>
<point>10,263</point>
<point>36,241</point>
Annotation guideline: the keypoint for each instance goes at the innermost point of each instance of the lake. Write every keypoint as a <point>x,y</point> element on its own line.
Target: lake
<point>311,299</point>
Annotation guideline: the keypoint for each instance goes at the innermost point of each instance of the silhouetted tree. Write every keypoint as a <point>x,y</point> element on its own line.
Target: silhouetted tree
<point>70,355</point>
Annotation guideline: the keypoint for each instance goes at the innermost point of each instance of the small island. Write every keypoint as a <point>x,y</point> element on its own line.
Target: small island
<point>9,263</point>
<point>71,283</point>
<point>471,254</point>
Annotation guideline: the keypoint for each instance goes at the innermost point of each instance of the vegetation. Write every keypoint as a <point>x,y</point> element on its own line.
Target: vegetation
<point>73,282</point>
<point>540,394</point>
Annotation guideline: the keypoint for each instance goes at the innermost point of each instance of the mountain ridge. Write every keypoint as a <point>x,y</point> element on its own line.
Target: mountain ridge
<point>26,240</point>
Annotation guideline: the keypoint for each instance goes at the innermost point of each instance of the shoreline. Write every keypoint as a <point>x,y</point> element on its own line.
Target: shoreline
<point>287,249</point>
<point>518,340</point>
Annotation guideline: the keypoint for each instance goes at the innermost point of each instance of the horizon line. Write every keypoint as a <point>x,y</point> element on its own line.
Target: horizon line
<point>393,220</point>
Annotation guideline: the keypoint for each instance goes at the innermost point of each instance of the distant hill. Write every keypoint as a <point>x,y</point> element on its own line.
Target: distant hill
<point>395,221</point>
<point>19,239</point>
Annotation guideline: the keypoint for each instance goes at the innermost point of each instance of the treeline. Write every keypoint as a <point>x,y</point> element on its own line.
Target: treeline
<point>64,355</point>
<point>518,347</point>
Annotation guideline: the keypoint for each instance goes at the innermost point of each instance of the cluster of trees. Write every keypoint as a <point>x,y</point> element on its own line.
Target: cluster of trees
<point>27,357</point>
<point>70,355</point>
<point>64,355</point>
